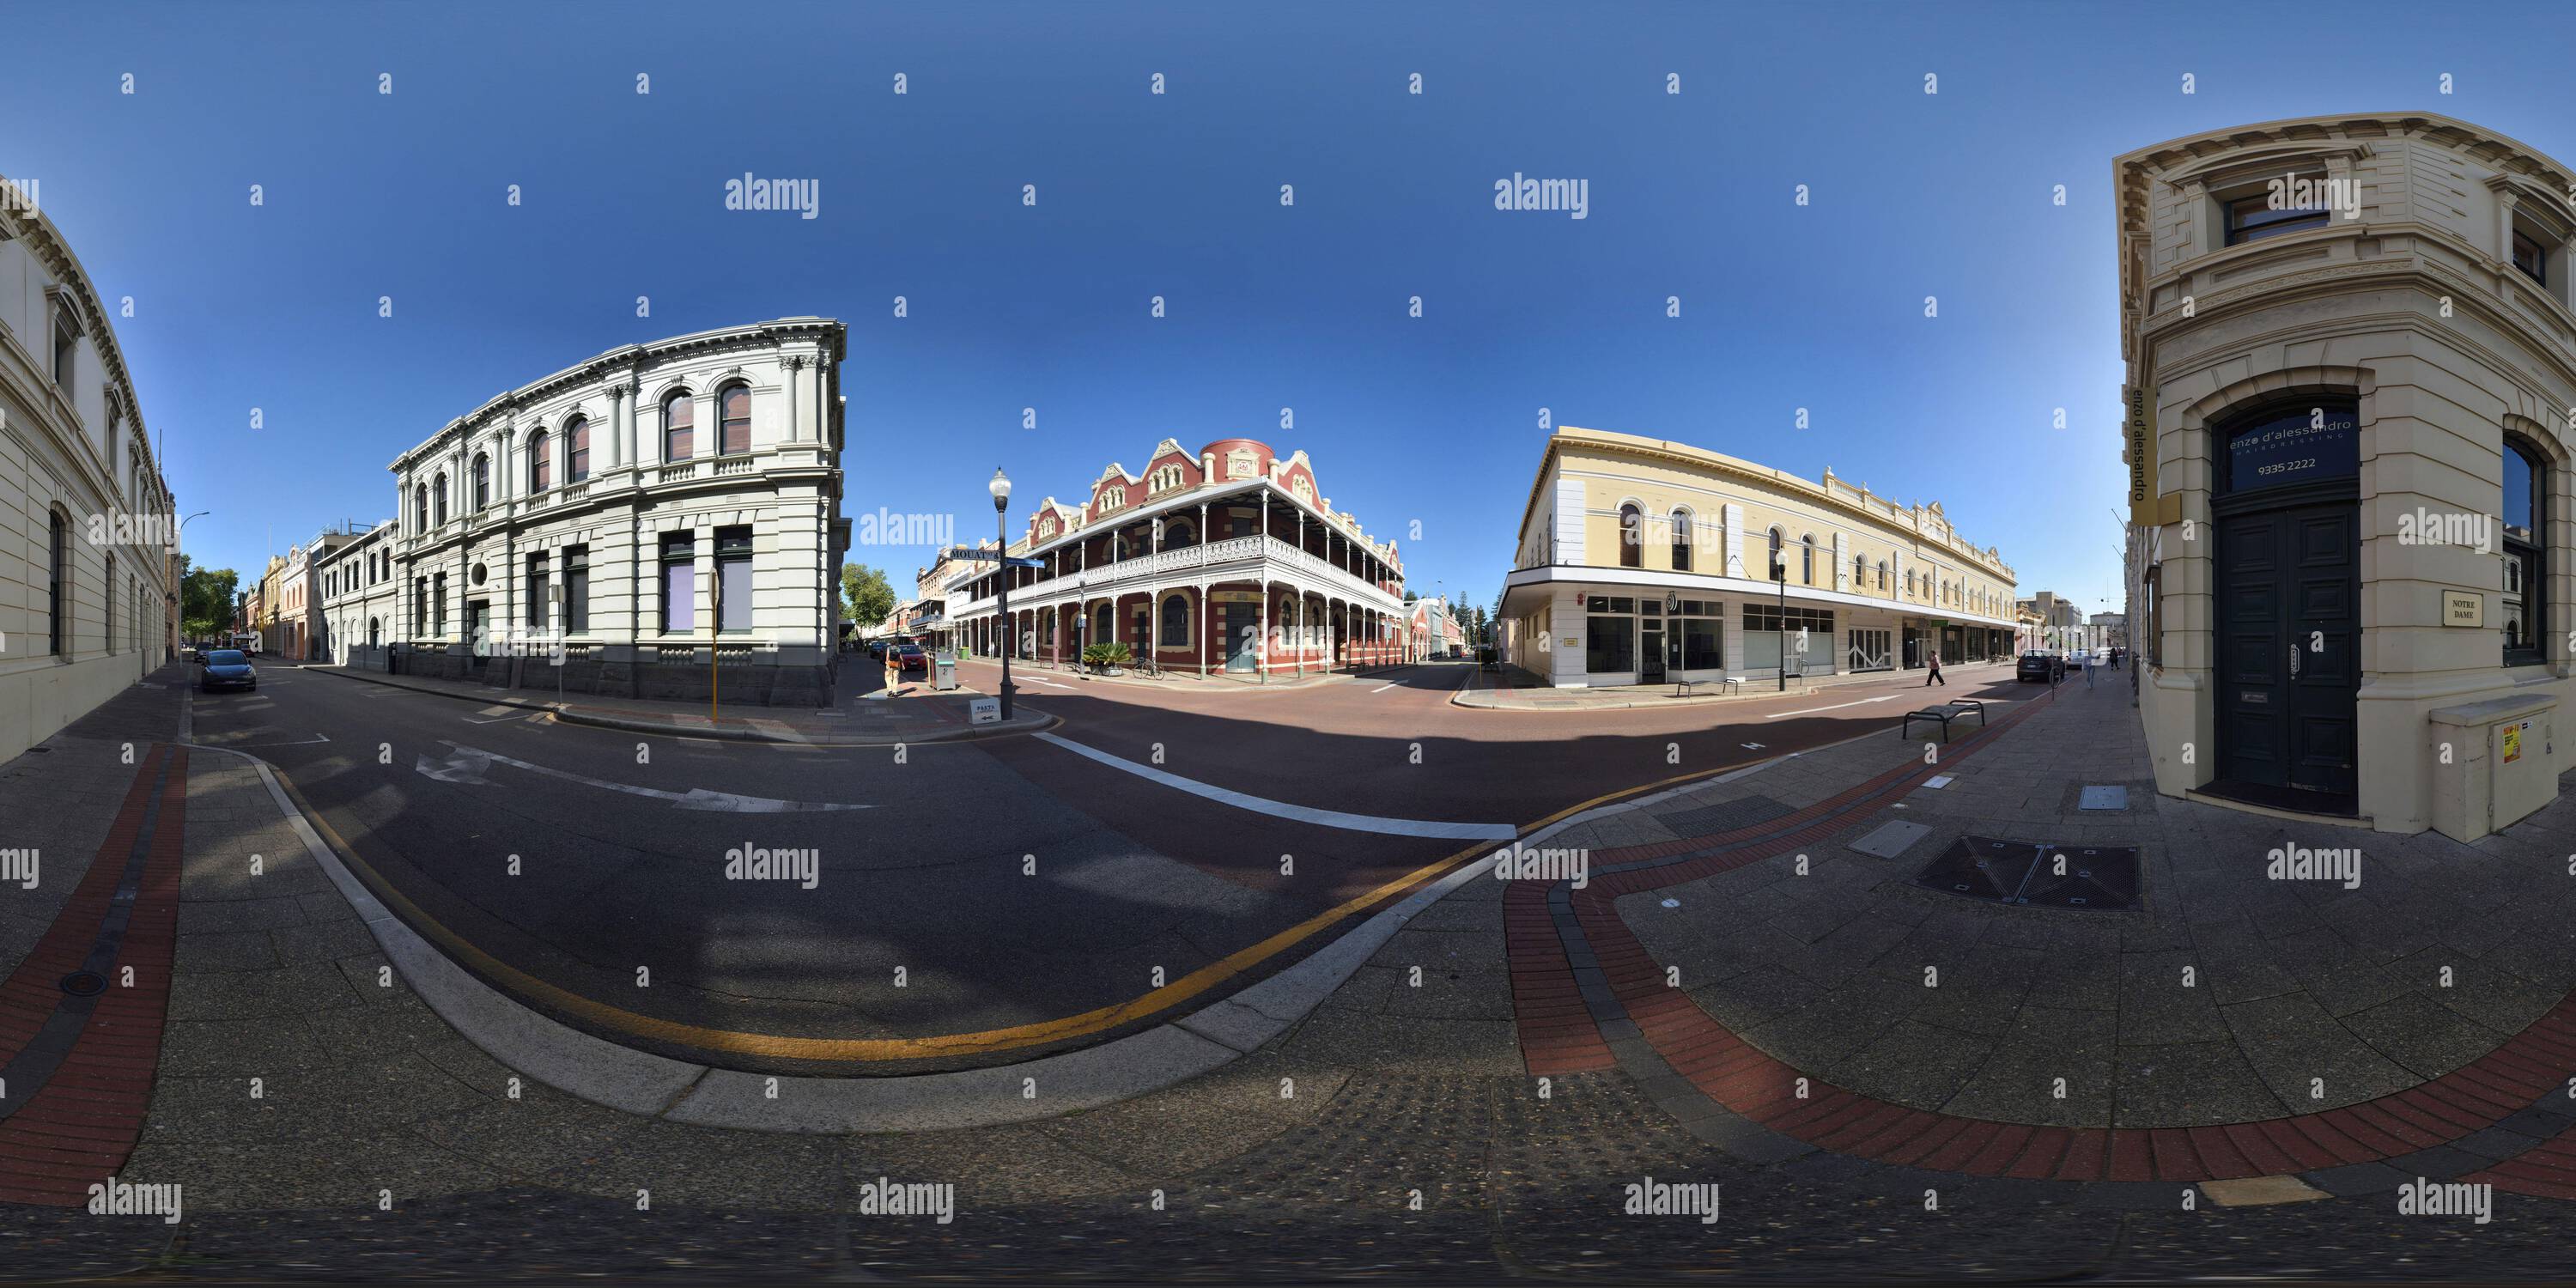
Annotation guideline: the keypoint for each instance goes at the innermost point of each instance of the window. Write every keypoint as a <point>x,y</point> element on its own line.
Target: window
<point>1702,625</point>
<point>419,605</point>
<point>482,481</point>
<point>1882,574</point>
<point>733,579</point>
<point>438,496</point>
<point>678,439</point>
<point>107,602</point>
<point>1610,637</point>
<point>1912,583</point>
<point>540,471</point>
<point>375,634</point>
<point>1631,541</point>
<point>420,507</point>
<point>2531,257</point>
<point>735,404</point>
<point>1176,621</point>
<point>540,581</point>
<point>1681,541</point>
<point>577,450</point>
<point>2253,219</point>
<point>577,591</point>
<point>679,582</point>
<point>1860,572</point>
<point>2525,560</point>
<point>1776,570</point>
<point>1807,560</point>
<point>58,587</point>
<point>438,604</point>
<point>66,347</point>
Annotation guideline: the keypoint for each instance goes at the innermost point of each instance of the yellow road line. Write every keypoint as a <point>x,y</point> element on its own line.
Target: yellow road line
<point>872,1050</point>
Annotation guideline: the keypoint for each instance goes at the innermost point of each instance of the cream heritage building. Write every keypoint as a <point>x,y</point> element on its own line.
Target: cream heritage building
<point>631,513</point>
<point>1642,561</point>
<point>2351,359</point>
<point>87,525</point>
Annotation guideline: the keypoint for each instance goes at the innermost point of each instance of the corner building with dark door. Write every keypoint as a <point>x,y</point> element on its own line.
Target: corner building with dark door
<point>2350,348</point>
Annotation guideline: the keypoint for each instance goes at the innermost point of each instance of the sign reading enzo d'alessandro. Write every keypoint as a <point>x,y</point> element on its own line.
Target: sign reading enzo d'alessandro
<point>2302,446</point>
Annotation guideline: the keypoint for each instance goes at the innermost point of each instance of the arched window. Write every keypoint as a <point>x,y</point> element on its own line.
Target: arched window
<point>1882,574</point>
<point>1775,570</point>
<point>1176,621</point>
<point>1807,560</point>
<point>577,450</point>
<point>482,480</point>
<point>58,586</point>
<point>374,632</point>
<point>1860,572</point>
<point>734,407</point>
<point>679,442</point>
<point>1632,539</point>
<point>1912,583</point>
<point>540,469</point>
<point>1681,541</point>
<point>438,496</point>
<point>1179,533</point>
<point>2526,563</point>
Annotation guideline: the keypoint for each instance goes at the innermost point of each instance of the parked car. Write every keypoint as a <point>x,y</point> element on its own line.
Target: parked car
<point>908,656</point>
<point>226,668</point>
<point>2047,668</point>
<point>876,648</point>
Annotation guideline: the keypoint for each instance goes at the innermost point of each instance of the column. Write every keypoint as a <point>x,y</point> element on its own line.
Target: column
<point>1261,656</point>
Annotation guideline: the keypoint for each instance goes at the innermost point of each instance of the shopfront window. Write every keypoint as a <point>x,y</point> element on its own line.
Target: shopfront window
<point>1610,634</point>
<point>1806,633</point>
<point>1702,625</point>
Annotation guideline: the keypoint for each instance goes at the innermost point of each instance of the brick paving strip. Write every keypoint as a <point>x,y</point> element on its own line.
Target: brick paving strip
<point>1588,996</point>
<point>78,1071</point>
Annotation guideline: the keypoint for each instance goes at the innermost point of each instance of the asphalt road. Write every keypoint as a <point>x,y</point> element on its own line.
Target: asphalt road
<point>996,887</point>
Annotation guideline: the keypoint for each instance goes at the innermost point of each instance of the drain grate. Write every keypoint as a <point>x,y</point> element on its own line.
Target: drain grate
<point>84,983</point>
<point>1724,816</point>
<point>2091,878</point>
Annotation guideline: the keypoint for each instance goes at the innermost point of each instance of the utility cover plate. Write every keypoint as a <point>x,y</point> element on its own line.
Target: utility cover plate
<point>2104,798</point>
<point>1891,839</point>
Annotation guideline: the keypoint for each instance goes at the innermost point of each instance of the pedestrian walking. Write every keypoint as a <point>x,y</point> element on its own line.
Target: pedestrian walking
<point>1935,677</point>
<point>2088,668</point>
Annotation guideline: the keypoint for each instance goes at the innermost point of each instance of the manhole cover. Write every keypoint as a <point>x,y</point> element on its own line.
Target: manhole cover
<point>84,983</point>
<point>2093,878</point>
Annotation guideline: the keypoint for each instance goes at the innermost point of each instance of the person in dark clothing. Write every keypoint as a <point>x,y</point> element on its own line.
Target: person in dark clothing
<point>1935,677</point>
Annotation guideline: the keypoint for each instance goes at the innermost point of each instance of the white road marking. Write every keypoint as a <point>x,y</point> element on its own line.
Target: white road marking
<point>301,742</point>
<point>1779,715</point>
<point>1031,679</point>
<point>697,798</point>
<point>1301,813</point>
<point>1383,687</point>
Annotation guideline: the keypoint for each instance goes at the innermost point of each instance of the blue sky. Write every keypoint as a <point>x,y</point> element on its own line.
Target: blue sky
<point>1432,420</point>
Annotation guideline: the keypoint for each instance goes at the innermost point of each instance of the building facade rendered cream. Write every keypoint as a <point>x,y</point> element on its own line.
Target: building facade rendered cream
<point>354,582</point>
<point>1228,560</point>
<point>87,604</point>
<point>653,512</point>
<point>2351,359</point>
<point>1642,561</point>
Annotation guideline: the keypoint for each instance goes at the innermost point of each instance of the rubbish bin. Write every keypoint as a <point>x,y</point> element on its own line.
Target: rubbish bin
<point>943,671</point>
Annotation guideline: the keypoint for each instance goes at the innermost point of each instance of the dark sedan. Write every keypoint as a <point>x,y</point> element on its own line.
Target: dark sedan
<point>226,668</point>
<point>2047,668</point>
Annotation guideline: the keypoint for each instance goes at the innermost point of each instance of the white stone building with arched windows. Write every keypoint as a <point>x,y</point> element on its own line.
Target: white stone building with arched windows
<point>2351,361</point>
<point>650,513</point>
<point>88,593</point>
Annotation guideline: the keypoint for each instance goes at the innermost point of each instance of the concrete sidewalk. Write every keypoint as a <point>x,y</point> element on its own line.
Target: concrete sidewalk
<point>1514,690</point>
<point>908,714</point>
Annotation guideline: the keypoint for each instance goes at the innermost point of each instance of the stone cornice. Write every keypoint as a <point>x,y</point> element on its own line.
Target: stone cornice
<point>630,362</point>
<point>46,243</point>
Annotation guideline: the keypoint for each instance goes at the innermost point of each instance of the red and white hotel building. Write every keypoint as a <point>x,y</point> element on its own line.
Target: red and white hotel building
<point>1227,561</point>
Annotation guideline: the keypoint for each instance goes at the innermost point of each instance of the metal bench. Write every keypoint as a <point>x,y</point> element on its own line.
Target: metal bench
<point>1725,683</point>
<point>1944,714</point>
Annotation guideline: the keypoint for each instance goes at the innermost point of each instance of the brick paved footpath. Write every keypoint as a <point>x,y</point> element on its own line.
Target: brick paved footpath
<point>1589,994</point>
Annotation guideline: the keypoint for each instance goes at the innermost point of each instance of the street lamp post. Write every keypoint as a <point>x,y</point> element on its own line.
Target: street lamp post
<point>1000,487</point>
<point>1780,575</point>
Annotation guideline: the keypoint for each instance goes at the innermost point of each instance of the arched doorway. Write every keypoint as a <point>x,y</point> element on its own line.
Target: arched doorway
<point>2288,612</point>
